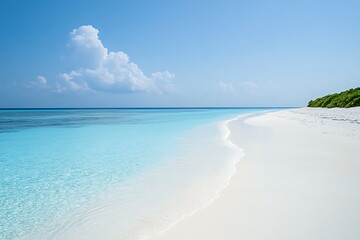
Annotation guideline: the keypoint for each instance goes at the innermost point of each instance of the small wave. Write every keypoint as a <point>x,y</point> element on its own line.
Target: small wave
<point>225,134</point>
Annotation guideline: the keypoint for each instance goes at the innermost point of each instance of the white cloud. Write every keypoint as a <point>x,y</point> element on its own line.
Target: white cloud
<point>40,82</point>
<point>97,69</point>
<point>87,50</point>
<point>166,75</point>
<point>164,79</point>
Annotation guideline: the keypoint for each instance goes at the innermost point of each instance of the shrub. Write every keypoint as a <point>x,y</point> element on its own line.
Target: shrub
<point>348,98</point>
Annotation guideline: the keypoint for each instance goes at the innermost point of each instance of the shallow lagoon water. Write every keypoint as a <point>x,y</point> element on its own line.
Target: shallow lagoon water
<point>129,172</point>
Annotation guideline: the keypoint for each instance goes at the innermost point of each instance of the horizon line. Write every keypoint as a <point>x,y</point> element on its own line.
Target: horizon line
<point>134,108</point>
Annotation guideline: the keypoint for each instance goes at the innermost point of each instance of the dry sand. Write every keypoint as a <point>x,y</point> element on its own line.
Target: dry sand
<point>299,179</point>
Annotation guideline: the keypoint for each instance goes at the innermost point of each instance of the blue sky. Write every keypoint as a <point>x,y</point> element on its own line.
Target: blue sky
<point>176,53</point>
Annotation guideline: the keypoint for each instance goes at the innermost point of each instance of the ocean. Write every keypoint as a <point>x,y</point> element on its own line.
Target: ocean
<point>110,173</point>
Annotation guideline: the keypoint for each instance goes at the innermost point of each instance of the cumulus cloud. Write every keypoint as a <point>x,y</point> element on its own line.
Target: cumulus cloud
<point>164,79</point>
<point>86,49</point>
<point>95,68</point>
<point>166,75</point>
<point>71,81</point>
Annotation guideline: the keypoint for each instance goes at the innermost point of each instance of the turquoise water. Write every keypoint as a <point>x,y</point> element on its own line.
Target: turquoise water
<point>57,163</point>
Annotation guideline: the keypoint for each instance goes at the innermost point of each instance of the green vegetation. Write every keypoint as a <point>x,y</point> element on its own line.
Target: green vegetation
<point>346,99</point>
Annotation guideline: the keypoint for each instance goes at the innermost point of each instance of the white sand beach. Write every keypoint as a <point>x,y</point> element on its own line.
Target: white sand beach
<point>299,179</point>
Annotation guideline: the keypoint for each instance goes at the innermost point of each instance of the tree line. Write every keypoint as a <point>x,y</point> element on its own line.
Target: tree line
<point>345,99</point>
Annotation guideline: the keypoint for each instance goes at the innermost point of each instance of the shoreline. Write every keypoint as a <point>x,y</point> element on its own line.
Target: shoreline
<point>257,204</point>
<point>225,137</point>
